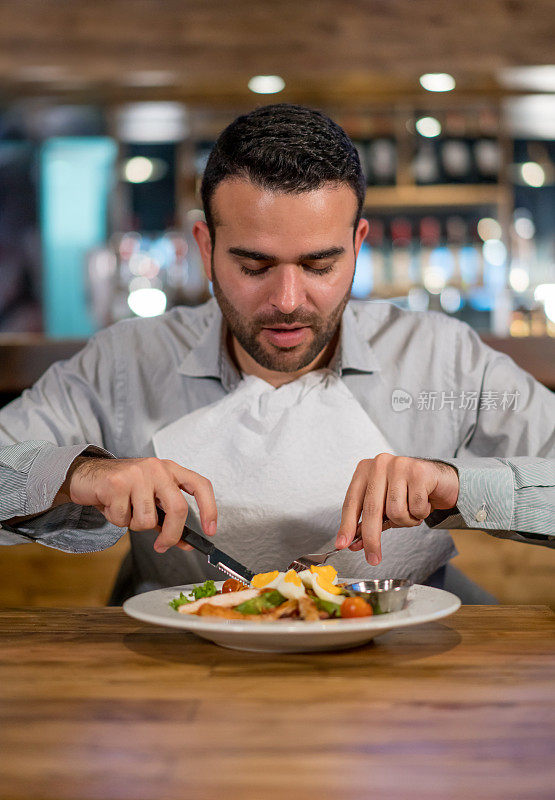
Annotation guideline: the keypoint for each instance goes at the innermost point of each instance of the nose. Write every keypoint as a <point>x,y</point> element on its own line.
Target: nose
<point>287,291</point>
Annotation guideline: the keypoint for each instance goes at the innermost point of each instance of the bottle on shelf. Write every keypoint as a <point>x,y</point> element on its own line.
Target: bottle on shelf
<point>382,162</point>
<point>425,165</point>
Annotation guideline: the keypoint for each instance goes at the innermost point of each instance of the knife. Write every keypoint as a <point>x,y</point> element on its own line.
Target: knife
<point>217,558</point>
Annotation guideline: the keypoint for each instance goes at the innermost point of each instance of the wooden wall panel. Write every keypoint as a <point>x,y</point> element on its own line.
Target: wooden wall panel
<point>33,575</point>
<point>221,41</point>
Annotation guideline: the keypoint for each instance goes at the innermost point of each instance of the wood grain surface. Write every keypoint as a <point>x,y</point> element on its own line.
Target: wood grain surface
<point>96,705</point>
<point>200,50</point>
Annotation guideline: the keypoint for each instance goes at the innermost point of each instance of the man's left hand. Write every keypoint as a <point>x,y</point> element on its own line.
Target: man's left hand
<point>393,492</point>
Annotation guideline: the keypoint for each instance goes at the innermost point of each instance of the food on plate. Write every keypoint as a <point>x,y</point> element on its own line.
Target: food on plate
<point>312,595</point>
<point>355,607</point>
<point>233,585</point>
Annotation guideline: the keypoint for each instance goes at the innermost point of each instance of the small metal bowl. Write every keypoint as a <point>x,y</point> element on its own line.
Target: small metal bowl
<point>383,595</point>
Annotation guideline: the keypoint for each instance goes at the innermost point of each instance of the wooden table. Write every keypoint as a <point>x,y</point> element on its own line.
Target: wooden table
<point>96,705</point>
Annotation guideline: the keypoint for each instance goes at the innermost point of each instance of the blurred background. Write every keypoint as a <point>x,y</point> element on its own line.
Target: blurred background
<point>108,112</point>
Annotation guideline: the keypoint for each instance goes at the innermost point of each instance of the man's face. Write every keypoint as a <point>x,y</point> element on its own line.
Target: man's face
<point>282,269</point>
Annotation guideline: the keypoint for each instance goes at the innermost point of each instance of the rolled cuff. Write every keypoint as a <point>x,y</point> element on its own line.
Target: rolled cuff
<point>48,472</point>
<point>486,496</point>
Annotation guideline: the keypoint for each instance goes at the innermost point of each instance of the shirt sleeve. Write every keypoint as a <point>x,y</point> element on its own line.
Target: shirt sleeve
<point>74,409</point>
<point>506,456</point>
<point>508,498</point>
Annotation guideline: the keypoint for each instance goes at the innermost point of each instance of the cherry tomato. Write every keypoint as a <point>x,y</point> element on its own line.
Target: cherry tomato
<point>232,585</point>
<point>356,607</point>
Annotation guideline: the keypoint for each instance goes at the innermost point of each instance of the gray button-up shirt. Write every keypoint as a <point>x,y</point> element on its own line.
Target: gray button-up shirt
<point>427,381</point>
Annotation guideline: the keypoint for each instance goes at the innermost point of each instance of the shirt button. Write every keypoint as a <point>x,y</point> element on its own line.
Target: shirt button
<point>481,515</point>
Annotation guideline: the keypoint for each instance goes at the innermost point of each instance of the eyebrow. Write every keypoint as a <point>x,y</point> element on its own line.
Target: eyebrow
<point>256,255</point>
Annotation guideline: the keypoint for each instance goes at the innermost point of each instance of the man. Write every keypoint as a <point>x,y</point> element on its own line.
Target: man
<point>292,415</point>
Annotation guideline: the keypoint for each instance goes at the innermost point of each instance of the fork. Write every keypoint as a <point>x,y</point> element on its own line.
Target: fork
<point>317,559</point>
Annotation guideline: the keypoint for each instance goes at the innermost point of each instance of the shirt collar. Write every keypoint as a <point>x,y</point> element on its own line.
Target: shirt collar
<point>209,357</point>
<point>355,352</point>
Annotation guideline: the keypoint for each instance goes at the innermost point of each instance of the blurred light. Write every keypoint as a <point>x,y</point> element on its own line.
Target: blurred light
<point>469,262</point>
<point>128,244</point>
<point>147,302</point>
<point>418,299</point>
<point>428,127</point>
<point>266,84</point>
<point>437,82</point>
<point>489,228</point>
<point>494,252</point>
<point>480,298</point>
<point>142,264</point>
<point>152,122</point>
<point>442,258</point>
<point>524,225</point>
<point>531,79</point>
<point>533,174</point>
<point>530,116</point>
<point>543,291</point>
<point>519,279</point>
<point>450,299</point>
<point>138,169</point>
<point>433,279</point>
<point>549,306</point>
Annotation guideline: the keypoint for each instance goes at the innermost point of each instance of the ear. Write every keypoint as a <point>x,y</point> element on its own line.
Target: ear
<point>204,242</point>
<point>361,234</point>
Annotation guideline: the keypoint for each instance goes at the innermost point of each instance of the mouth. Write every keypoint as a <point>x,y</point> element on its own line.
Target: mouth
<point>286,335</point>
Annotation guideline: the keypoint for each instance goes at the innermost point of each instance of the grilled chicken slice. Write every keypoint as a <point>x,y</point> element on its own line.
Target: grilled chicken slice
<point>223,600</point>
<point>308,609</point>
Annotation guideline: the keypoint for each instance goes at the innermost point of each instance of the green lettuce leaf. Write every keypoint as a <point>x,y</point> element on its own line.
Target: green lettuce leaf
<point>208,589</point>
<point>263,602</point>
<point>178,601</point>
<point>333,609</point>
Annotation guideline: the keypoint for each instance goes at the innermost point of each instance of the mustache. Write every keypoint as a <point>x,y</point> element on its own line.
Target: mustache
<point>295,318</point>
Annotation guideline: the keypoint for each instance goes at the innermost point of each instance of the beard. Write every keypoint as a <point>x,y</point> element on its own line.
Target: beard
<point>268,355</point>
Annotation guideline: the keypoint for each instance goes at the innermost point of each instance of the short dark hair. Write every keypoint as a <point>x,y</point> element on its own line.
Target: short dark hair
<point>284,148</point>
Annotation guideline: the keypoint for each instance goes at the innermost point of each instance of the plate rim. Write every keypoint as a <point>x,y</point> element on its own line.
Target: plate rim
<point>294,628</point>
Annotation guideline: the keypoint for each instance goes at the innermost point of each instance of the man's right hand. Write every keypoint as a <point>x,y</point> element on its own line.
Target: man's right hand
<point>127,490</point>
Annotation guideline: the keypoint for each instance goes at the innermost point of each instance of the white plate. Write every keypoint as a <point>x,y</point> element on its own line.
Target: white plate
<point>424,604</point>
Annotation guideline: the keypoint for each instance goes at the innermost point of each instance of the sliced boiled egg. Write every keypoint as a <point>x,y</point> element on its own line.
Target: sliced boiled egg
<point>326,571</point>
<point>266,580</point>
<point>291,586</point>
<point>326,590</point>
<point>321,585</point>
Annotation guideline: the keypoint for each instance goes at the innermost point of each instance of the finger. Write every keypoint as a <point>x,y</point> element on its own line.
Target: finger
<point>203,492</point>
<point>396,505</point>
<point>144,516</point>
<point>357,543</point>
<point>352,507</point>
<point>372,515</point>
<point>176,509</point>
<point>184,546</point>
<point>160,521</point>
<point>419,505</point>
<point>118,512</point>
